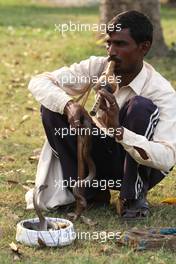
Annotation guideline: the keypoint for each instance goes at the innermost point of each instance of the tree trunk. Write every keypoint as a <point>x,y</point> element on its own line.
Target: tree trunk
<point>151,8</point>
<point>171,1</point>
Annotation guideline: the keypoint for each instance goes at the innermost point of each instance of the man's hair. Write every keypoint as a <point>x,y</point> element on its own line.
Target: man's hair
<point>139,25</point>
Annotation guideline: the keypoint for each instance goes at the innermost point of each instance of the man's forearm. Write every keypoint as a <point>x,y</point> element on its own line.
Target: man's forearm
<point>157,155</point>
<point>48,94</point>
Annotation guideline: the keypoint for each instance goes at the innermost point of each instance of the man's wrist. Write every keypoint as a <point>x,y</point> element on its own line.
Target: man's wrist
<point>118,134</point>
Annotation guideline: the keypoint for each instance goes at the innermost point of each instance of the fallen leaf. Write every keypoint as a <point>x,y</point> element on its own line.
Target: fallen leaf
<point>9,172</point>
<point>26,76</point>
<point>29,95</point>
<point>20,170</point>
<point>88,221</point>
<point>12,129</point>
<point>31,108</point>
<point>15,250</point>
<point>60,225</point>
<point>30,182</point>
<point>12,182</point>
<point>34,157</point>
<point>28,133</point>
<point>25,54</point>
<point>14,247</point>
<point>7,158</point>
<point>105,249</point>
<point>15,80</point>
<point>170,200</point>
<point>16,62</point>
<point>16,145</point>
<point>30,102</point>
<point>24,118</point>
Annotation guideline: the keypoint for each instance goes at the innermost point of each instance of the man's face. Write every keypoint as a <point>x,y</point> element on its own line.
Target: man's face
<point>124,47</point>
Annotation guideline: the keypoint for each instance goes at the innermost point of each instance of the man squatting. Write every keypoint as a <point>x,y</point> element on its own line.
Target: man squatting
<point>143,112</point>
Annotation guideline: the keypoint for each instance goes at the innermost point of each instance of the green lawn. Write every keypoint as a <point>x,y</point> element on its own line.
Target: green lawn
<point>29,45</point>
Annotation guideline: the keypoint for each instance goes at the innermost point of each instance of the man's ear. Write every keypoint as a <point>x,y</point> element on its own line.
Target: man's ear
<point>145,46</point>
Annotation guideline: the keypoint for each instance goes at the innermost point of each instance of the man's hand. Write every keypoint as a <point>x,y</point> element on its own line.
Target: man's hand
<point>76,114</point>
<point>111,110</point>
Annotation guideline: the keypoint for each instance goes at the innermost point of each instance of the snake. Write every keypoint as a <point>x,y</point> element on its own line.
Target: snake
<point>43,224</point>
<point>84,159</point>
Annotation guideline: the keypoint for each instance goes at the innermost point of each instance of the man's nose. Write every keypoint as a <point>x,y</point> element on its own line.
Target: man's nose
<point>112,51</point>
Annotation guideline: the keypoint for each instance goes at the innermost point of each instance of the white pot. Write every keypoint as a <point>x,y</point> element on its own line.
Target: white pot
<point>51,238</point>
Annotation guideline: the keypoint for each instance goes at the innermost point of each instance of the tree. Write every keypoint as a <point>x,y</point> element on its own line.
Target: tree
<point>171,1</point>
<point>151,8</point>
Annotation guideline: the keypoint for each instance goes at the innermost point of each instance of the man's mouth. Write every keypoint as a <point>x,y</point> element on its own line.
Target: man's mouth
<point>115,58</point>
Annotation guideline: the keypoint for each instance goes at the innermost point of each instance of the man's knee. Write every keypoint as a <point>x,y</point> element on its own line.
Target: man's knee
<point>49,117</point>
<point>140,108</point>
<point>139,104</point>
<point>136,114</point>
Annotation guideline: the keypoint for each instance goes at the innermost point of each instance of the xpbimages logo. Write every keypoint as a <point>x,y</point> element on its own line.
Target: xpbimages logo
<point>101,184</point>
<point>101,236</point>
<point>73,27</point>
<point>85,131</point>
<point>69,78</point>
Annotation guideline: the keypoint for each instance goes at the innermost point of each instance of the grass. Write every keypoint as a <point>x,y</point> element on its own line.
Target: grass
<point>30,45</point>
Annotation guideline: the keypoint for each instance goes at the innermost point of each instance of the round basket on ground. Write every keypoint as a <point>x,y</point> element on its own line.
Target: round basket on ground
<point>28,233</point>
